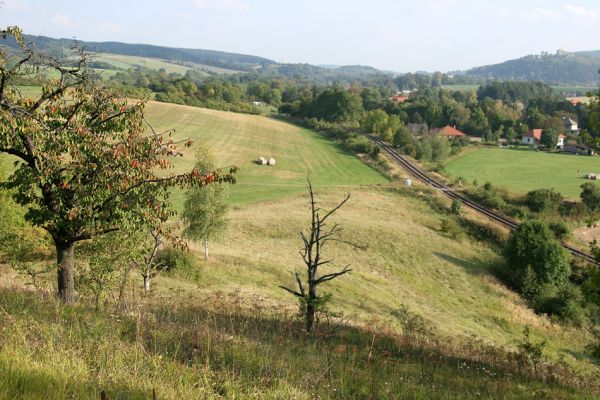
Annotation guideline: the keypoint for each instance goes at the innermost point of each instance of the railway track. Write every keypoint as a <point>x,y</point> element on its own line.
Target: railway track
<point>452,194</point>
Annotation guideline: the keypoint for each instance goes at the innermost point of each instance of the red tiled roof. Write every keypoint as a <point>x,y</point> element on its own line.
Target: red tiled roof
<point>534,133</point>
<point>449,131</point>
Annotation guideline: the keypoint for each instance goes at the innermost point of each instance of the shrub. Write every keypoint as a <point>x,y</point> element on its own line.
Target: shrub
<point>560,229</point>
<point>177,259</point>
<point>590,196</point>
<point>543,200</point>
<point>536,258</point>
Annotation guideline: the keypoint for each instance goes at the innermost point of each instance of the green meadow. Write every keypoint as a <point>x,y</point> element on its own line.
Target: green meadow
<point>240,139</point>
<point>522,170</point>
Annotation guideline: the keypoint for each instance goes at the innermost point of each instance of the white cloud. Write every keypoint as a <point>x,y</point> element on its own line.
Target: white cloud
<point>237,5</point>
<point>581,11</point>
<point>15,5</point>
<point>63,20</point>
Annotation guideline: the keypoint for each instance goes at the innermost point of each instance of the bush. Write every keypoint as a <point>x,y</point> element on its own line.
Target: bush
<point>543,200</point>
<point>560,229</point>
<point>177,259</point>
<point>451,228</point>
<point>536,258</point>
<point>590,196</point>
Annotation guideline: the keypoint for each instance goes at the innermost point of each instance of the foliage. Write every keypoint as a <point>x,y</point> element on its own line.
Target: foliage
<point>536,259</point>
<point>205,208</point>
<point>590,196</point>
<point>560,229</point>
<point>87,165</point>
<point>550,138</point>
<point>561,67</point>
<point>511,91</point>
<point>543,200</point>
<point>531,350</point>
<point>455,207</point>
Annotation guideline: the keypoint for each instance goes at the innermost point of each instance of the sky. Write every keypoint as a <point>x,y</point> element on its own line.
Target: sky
<point>400,35</point>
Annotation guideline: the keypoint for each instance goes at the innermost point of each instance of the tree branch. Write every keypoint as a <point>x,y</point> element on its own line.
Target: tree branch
<point>329,277</point>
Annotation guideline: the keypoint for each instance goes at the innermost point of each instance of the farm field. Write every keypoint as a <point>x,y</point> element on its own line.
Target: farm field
<point>239,139</point>
<point>125,62</point>
<point>520,171</point>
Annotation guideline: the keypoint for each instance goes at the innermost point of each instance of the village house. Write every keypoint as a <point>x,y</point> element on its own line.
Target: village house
<point>534,138</point>
<point>570,126</point>
<point>400,99</point>
<point>578,149</point>
<point>449,132</point>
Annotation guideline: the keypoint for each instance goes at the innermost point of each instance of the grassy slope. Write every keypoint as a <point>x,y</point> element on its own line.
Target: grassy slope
<point>240,139</point>
<point>125,62</point>
<point>407,262</point>
<point>524,170</point>
<point>231,332</point>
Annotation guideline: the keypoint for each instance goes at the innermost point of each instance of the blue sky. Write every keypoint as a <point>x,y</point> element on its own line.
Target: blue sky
<point>395,35</point>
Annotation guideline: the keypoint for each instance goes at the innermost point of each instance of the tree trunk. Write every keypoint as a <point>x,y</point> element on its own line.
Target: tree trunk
<point>310,308</point>
<point>205,249</point>
<point>65,256</point>
<point>146,283</point>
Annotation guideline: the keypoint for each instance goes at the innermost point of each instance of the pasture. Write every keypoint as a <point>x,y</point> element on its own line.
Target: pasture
<point>126,62</point>
<point>522,170</point>
<point>240,139</point>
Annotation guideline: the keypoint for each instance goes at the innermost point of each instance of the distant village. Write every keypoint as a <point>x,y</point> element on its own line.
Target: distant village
<point>531,138</point>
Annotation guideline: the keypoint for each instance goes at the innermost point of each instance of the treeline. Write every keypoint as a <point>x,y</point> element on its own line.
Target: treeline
<point>497,110</point>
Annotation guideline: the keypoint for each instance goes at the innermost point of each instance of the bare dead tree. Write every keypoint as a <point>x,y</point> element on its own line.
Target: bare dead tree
<point>313,244</point>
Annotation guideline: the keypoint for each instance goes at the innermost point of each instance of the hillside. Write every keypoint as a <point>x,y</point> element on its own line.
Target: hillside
<point>559,68</point>
<point>240,139</point>
<point>181,59</point>
<point>422,314</point>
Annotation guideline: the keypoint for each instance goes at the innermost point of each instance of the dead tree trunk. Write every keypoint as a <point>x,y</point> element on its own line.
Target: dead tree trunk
<point>206,249</point>
<point>311,253</point>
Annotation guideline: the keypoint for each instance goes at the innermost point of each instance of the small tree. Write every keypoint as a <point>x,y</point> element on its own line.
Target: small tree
<point>87,163</point>
<point>590,196</point>
<point>536,258</point>
<point>205,210</point>
<point>314,242</point>
<point>550,138</point>
<point>543,200</point>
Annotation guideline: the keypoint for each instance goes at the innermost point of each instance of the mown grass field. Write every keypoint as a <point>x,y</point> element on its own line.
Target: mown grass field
<point>523,170</point>
<point>239,139</point>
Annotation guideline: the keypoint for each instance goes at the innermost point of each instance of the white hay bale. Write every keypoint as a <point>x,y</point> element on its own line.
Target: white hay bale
<point>262,160</point>
<point>271,161</point>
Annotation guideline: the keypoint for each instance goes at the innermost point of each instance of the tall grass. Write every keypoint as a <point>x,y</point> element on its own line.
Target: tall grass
<point>223,349</point>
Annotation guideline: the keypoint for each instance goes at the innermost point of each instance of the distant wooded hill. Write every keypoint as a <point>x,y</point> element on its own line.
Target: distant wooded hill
<point>198,57</point>
<point>561,68</point>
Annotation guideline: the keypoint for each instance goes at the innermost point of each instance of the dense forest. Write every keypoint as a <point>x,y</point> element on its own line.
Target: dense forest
<point>559,68</point>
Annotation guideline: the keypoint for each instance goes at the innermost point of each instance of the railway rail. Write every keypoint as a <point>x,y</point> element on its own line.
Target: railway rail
<point>451,193</point>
